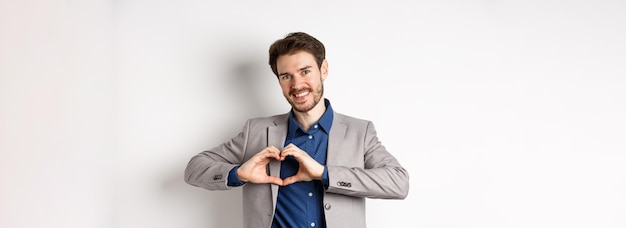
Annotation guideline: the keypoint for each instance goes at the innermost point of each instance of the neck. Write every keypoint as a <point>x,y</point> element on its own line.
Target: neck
<point>307,119</point>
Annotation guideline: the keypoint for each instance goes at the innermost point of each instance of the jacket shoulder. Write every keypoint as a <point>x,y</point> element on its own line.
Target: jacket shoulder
<point>269,120</point>
<point>350,120</point>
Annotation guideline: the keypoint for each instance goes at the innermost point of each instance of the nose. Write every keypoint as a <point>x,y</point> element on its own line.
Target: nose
<point>296,82</point>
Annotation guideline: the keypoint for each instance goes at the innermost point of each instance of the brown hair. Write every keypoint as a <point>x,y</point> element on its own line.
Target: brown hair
<point>294,42</point>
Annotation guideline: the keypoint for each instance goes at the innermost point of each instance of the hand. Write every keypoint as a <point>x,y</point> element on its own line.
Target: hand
<point>254,170</point>
<point>309,168</point>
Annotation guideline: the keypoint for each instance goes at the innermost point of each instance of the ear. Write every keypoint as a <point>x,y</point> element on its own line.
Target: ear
<point>324,69</point>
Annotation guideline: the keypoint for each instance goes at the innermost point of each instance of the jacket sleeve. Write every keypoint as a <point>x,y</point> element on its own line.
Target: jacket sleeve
<point>209,169</point>
<point>373,172</point>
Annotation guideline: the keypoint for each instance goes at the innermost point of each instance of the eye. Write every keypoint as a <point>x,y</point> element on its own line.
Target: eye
<point>285,77</point>
<point>305,72</point>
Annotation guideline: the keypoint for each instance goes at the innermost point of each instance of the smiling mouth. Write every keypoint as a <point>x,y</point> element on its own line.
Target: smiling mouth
<point>301,94</point>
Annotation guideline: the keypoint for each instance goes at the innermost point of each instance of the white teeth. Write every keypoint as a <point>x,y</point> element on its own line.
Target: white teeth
<point>301,94</point>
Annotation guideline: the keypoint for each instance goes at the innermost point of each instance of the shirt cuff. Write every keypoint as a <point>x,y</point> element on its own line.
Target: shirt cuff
<point>233,180</point>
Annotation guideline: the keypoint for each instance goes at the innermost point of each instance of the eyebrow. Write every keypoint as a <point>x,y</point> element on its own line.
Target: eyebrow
<point>304,68</point>
<point>301,69</point>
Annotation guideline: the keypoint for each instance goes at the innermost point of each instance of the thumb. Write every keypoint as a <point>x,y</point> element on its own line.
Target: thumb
<point>290,180</point>
<point>275,180</point>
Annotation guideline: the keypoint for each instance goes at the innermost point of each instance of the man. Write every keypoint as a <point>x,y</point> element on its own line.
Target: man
<point>310,167</point>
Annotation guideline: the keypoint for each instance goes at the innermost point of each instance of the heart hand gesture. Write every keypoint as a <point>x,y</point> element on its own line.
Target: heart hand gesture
<point>254,170</point>
<point>308,170</point>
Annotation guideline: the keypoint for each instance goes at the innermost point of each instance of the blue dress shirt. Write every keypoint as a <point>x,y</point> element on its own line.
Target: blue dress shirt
<point>300,204</point>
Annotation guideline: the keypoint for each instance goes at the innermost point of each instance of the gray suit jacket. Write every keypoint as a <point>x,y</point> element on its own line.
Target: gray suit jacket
<point>358,164</point>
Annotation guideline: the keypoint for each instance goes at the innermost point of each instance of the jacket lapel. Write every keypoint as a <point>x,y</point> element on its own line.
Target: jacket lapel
<point>276,137</point>
<point>335,138</point>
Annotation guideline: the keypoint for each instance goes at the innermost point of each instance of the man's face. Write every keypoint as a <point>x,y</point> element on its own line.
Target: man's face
<point>301,80</point>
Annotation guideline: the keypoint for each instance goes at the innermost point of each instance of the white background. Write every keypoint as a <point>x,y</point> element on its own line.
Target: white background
<point>505,113</point>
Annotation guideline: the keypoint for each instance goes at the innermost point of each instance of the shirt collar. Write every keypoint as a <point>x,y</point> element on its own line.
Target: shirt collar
<point>325,122</point>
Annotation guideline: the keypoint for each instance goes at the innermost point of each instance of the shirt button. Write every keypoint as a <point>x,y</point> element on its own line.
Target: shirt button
<point>327,206</point>
<point>310,137</point>
<point>315,126</point>
<point>310,194</point>
<point>312,224</point>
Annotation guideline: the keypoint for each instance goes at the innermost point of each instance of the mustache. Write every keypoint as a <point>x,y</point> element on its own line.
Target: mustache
<point>294,91</point>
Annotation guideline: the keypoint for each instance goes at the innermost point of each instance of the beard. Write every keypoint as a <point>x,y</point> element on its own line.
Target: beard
<point>305,107</point>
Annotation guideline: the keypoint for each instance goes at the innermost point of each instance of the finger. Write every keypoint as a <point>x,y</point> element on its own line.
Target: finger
<point>273,149</point>
<point>287,152</point>
<point>296,153</point>
<point>272,152</point>
<point>290,180</point>
<point>275,180</point>
<point>291,149</point>
<point>290,145</point>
